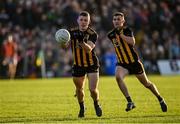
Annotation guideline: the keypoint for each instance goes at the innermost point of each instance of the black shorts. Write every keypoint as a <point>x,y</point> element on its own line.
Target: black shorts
<point>81,71</point>
<point>133,68</point>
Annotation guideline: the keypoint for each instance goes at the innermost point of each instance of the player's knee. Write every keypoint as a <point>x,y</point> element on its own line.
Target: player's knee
<point>93,90</point>
<point>79,90</point>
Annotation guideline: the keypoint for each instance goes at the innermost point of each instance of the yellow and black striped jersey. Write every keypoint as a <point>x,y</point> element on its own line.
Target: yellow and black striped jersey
<point>125,52</point>
<point>83,58</point>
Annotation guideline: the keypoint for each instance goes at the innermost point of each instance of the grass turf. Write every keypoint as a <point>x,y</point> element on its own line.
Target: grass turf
<point>53,101</point>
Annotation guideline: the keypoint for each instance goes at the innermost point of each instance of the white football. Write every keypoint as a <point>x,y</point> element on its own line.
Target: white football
<point>62,36</point>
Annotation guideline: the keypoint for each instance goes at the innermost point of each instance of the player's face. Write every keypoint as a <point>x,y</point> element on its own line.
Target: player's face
<point>83,22</point>
<point>118,21</point>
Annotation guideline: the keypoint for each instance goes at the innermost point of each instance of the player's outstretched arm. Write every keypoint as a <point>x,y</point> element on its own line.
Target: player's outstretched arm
<point>88,46</point>
<point>65,45</point>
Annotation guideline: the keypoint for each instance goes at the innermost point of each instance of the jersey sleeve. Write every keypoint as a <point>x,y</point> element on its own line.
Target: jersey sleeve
<point>110,34</point>
<point>128,32</point>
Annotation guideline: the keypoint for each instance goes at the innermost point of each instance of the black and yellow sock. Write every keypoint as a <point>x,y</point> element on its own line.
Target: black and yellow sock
<point>96,102</point>
<point>159,98</point>
<point>81,105</point>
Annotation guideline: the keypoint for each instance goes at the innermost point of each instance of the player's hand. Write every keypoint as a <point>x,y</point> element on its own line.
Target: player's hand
<point>64,45</point>
<point>84,41</point>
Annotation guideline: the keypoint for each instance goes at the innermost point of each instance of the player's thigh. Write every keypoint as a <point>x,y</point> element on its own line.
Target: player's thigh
<point>142,78</point>
<point>120,72</point>
<point>93,80</point>
<point>79,82</point>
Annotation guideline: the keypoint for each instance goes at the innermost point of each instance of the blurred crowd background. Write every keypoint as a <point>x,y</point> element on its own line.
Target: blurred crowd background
<point>33,23</point>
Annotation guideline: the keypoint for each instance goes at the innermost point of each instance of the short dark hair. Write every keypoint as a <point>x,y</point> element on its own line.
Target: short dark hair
<point>84,13</point>
<point>118,14</point>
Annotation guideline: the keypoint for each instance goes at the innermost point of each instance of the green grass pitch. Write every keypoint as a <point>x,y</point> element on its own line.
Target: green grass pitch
<point>53,101</point>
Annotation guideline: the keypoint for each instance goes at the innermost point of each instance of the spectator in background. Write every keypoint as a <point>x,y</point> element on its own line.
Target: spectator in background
<point>10,56</point>
<point>145,16</point>
<point>175,47</point>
